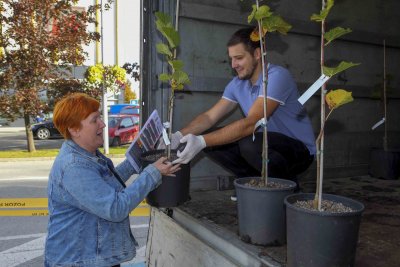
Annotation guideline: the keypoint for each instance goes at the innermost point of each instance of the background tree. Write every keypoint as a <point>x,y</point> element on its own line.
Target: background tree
<point>112,77</point>
<point>61,87</point>
<point>40,40</point>
<point>129,93</point>
<point>133,69</point>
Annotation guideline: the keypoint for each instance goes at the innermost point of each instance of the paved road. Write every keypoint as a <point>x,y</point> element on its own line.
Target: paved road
<point>14,138</point>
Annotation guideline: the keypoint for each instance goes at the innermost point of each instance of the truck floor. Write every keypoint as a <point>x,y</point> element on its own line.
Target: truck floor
<point>379,239</point>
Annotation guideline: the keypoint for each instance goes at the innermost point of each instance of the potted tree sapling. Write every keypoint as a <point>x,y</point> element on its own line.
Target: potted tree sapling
<point>384,162</point>
<point>261,213</point>
<point>322,229</point>
<point>174,190</point>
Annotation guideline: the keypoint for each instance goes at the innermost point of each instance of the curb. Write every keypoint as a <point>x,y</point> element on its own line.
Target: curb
<point>111,156</point>
<point>138,264</point>
<point>26,159</point>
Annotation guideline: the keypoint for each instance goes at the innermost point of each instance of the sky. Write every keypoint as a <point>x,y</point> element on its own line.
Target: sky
<point>128,34</point>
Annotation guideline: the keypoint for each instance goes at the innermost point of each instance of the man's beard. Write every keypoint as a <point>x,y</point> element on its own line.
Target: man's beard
<point>248,75</point>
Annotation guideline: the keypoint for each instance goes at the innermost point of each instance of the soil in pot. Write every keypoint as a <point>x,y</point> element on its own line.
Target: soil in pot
<point>326,205</point>
<point>322,238</point>
<point>261,213</point>
<point>260,183</point>
<point>174,190</point>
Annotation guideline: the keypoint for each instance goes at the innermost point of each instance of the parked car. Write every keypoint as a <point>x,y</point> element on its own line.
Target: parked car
<point>45,130</point>
<point>122,129</point>
<point>4,122</point>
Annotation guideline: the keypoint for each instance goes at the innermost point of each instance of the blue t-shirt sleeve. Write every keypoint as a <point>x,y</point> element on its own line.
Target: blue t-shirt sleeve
<point>279,84</point>
<point>229,92</point>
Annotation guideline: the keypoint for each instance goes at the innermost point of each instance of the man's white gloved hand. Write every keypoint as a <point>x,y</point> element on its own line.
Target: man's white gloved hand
<point>175,141</point>
<point>195,143</point>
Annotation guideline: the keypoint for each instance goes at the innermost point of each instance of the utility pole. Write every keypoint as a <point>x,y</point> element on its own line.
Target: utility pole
<point>105,111</point>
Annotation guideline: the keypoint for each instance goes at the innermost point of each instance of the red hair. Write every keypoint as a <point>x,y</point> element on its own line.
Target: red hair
<point>71,110</point>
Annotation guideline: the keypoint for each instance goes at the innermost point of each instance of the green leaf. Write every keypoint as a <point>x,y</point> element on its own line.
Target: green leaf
<point>335,33</point>
<point>164,77</point>
<point>276,23</point>
<point>262,12</point>
<point>163,20</point>
<point>171,35</point>
<point>176,64</point>
<point>252,14</point>
<point>324,12</point>
<point>163,49</point>
<point>181,77</point>
<point>166,28</point>
<point>341,67</point>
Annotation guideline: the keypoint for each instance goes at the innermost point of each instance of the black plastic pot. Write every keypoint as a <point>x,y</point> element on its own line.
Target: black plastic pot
<point>316,239</point>
<point>261,212</point>
<point>173,191</point>
<point>384,164</point>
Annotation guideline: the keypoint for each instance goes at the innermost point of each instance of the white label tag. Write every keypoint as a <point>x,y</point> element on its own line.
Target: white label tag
<point>378,124</point>
<point>165,137</point>
<point>261,122</point>
<point>166,124</point>
<point>313,88</point>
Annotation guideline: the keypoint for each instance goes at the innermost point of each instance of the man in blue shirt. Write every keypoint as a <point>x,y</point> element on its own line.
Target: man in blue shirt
<point>291,142</point>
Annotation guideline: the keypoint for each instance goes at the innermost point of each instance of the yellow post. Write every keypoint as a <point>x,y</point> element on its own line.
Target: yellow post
<point>97,48</point>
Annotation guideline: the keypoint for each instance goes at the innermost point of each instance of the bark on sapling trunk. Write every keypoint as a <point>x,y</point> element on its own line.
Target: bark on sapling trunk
<point>336,99</point>
<point>266,22</point>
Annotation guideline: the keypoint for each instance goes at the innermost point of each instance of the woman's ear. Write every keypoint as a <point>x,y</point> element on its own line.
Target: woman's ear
<point>74,132</point>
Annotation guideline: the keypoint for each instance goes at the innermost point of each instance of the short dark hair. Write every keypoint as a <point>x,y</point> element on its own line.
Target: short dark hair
<point>242,36</point>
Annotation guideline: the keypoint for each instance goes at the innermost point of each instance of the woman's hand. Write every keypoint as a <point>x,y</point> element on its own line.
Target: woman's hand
<point>165,167</point>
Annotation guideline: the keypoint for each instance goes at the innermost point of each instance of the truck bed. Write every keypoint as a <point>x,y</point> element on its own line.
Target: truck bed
<point>212,217</point>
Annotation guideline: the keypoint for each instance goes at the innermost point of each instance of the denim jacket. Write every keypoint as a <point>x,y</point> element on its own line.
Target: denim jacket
<point>89,208</point>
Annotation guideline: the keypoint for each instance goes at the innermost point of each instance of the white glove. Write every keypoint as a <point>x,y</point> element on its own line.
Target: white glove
<point>175,141</point>
<point>195,143</point>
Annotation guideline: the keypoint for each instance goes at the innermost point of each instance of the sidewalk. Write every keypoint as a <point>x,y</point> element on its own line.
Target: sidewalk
<point>8,129</point>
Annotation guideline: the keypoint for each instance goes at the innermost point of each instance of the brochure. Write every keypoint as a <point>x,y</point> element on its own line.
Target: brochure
<point>145,140</point>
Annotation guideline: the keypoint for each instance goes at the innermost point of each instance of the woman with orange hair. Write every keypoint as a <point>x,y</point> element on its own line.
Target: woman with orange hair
<point>89,203</point>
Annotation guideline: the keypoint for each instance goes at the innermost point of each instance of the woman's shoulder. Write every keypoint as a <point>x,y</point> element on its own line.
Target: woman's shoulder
<point>68,157</point>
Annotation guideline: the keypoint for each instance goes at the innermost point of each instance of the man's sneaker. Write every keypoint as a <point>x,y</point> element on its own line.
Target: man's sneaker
<point>234,198</point>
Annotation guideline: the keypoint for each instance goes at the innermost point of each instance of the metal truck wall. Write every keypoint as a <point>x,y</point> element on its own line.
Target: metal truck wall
<point>206,25</point>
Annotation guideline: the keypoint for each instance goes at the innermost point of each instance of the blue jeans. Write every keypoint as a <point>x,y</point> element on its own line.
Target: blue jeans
<point>287,157</point>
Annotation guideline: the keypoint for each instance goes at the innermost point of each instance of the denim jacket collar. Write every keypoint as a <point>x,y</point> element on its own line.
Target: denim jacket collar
<point>84,152</point>
<point>79,149</point>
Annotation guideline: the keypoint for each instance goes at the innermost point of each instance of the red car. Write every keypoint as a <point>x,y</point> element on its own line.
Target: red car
<point>122,129</point>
